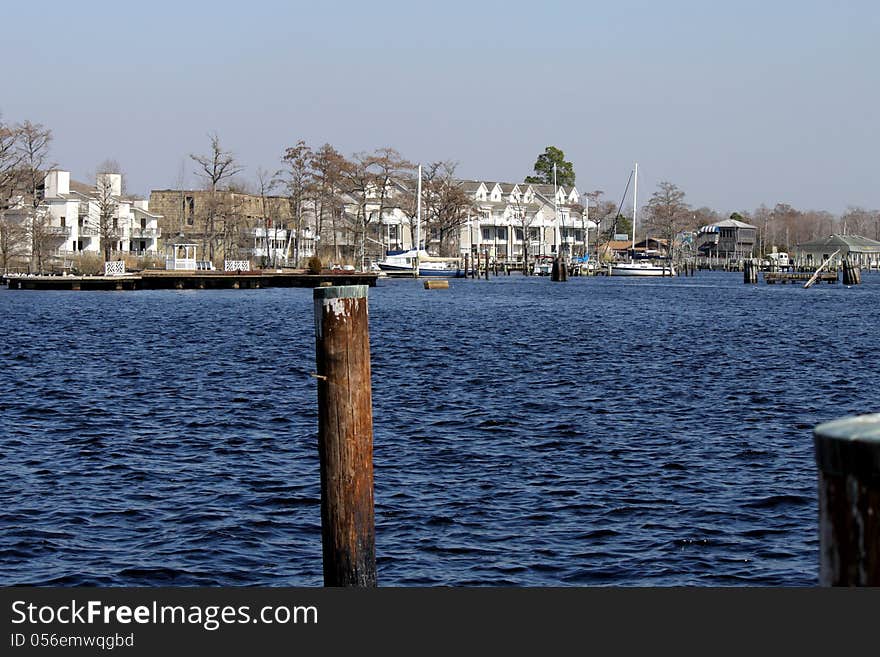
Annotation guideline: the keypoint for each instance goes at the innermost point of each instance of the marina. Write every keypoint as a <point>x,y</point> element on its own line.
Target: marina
<point>163,438</point>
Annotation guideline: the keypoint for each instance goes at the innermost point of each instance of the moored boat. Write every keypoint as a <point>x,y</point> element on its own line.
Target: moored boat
<point>403,263</point>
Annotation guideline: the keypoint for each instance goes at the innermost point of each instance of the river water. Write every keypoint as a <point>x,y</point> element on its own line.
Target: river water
<point>611,432</point>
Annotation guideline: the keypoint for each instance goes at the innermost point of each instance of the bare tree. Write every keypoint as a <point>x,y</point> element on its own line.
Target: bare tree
<point>326,166</point>
<point>448,206</point>
<point>214,168</point>
<point>858,221</point>
<point>32,147</point>
<point>9,160</point>
<point>668,213</point>
<point>267,222</point>
<point>108,173</point>
<point>297,178</point>
<point>367,178</point>
<point>12,233</point>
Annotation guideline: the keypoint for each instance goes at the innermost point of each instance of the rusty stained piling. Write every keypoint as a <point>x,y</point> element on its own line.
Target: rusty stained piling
<point>559,270</point>
<point>848,459</point>
<point>345,435</point>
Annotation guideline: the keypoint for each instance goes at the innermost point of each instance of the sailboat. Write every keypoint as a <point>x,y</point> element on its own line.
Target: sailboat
<point>644,267</point>
<point>417,262</point>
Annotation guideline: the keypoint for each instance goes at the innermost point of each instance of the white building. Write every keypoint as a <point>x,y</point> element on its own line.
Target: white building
<point>67,219</point>
<point>513,218</point>
<point>505,219</point>
<point>277,245</point>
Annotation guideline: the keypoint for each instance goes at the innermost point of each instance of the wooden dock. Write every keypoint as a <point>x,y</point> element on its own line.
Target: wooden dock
<point>784,277</point>
<point>189,280</point>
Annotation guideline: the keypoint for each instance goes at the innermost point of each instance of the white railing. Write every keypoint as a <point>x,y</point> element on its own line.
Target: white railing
<point>236,265</point>
<point>180,263</point>
<point>115,268</point>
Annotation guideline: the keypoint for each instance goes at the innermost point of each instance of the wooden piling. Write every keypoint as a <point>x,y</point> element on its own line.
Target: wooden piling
<point>441,284</point>
<point>466,263</point>
<point>851,273</point>
<point>848,458</point>
<point>345,435</point>
<point>559,270</point>
<point>486,267</point>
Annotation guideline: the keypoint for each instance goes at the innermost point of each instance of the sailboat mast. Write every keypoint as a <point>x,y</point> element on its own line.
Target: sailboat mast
<point>635,204</point>
<point>418,209</point>
<point>418,222</point>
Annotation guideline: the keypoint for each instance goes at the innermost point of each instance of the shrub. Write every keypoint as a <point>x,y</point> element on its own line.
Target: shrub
<point>314,265</point>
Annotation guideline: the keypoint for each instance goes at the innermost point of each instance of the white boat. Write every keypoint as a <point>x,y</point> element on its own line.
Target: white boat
<point>403,263</point>
<point>639,267</point>
<point>543,265</point>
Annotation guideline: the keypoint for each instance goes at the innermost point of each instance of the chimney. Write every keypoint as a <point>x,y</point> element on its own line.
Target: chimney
<point>111,181</point>
<point>57,183</point>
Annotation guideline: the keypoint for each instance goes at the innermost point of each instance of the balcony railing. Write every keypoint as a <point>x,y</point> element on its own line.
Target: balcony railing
<point>59,231</point>
<point>145,232</point>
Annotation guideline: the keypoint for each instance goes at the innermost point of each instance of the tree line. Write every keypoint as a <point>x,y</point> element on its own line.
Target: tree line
<point>344,198</point>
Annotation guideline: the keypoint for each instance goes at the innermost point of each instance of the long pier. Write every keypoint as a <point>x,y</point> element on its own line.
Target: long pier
<point>188,280</point>
<point>771,277</point>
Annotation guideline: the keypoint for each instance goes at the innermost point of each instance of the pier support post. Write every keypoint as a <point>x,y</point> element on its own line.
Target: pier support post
<point>486,258</point>
<point>559,270</point>
<point>345,435</point>
<point>848,458</point>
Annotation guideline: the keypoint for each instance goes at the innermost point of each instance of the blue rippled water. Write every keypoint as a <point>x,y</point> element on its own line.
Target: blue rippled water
<point>598,432</point>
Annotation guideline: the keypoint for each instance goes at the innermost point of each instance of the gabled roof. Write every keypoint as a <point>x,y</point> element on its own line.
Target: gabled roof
<point>854,243</point>
<point>727,223</point>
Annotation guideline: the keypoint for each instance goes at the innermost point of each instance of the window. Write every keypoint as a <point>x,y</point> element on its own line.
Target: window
<point>502,233</point>
<point>143,222</point>
<point>63,222</point>
<point>487,234</point>
<point>518,233</point>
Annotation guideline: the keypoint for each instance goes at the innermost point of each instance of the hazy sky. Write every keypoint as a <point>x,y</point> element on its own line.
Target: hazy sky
<point>738,103</point>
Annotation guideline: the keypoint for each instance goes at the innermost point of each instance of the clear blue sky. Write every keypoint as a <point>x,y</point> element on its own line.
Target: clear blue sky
<point>740,104</point>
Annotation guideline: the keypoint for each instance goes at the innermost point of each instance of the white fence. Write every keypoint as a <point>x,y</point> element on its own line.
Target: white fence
<point>236,265</point>
<point>116,268</point>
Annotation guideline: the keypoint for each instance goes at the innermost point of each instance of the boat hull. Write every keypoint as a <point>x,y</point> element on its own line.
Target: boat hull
<point>641,270</point>
<point>423,271</point>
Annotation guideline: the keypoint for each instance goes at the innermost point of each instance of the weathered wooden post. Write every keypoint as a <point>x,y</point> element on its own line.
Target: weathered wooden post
<point>345,435</point>
<point>848,458</point>
<point>486,258</point>
<point>466,262</point>
<point>559,270</point>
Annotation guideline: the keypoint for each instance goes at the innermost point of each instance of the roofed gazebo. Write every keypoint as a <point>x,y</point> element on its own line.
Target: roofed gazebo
<point>181,257</point>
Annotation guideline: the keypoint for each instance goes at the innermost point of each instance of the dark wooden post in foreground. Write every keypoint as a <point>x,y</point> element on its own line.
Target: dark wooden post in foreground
<point>848,457</point>
<point>345,435</point>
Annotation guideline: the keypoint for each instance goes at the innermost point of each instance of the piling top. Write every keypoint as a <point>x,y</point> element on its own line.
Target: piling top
<point>341,292</point>
<point>850,445</point>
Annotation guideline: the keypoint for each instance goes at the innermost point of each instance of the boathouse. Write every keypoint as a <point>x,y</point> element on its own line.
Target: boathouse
<point>861,251</point>
<point>730,239</point>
